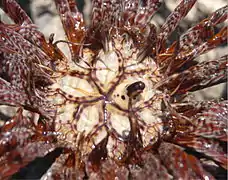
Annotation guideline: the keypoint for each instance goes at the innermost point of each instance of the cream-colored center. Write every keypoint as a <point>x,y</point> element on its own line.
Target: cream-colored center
<point>92,102</point>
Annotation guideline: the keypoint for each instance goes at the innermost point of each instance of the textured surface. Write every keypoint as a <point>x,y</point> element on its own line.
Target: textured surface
<point>43,11</point>
<point>118,106</point>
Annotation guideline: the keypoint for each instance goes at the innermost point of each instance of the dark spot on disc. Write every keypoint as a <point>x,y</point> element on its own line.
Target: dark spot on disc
<point>123,97</point>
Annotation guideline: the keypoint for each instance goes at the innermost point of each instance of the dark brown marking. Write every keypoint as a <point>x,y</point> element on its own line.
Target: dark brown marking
<point>98,154</point>
<point>123,97</point>
<point>135,88</point>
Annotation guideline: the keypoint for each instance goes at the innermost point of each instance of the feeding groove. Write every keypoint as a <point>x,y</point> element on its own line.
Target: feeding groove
<point>109,95</point>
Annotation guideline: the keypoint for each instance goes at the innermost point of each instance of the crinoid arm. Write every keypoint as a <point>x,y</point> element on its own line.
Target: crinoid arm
<point>208,133</point>
<point>22,140</point>
<point>73,25</point>
<point>196,41</point>
<point>202,75</point>
<point>172,21</point>
<point>29,31</point>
